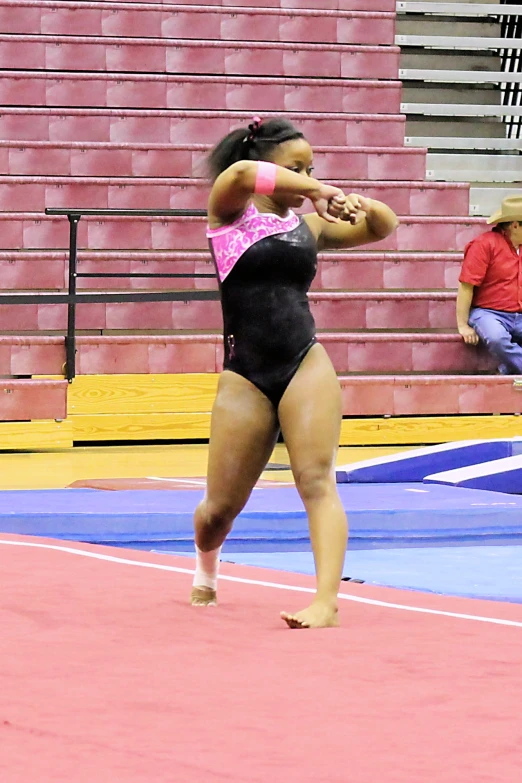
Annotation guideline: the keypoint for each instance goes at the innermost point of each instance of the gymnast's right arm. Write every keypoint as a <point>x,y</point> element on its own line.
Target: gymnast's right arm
<point>233,189</point>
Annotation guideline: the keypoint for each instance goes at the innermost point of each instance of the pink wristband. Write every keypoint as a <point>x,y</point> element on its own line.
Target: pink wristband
<point>265,178</point>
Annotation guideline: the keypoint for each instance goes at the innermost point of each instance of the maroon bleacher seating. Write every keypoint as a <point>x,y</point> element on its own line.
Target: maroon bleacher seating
<point>351,352</point>
<point>35,193</point>
<point>33,230</point>
<point>358,270</point>
<point>112,159</point>
<point>158,91</point>
<point>355,270</point>
<point>332,5</point>
<point>28,399</point>
<point>417,310</point>
<point>396,395</point>
<point>82,53</point>
<point>35,355</point>
<point>201,22</point>
<point>182,127</point>
<point>403,353</point>
<point>116,104</point>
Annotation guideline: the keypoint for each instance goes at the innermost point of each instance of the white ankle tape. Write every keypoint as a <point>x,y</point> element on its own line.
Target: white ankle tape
<point>207,567</point>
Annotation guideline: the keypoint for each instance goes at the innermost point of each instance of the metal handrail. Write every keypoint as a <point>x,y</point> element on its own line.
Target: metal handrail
<point>511,62</point>
<point>72,297</point>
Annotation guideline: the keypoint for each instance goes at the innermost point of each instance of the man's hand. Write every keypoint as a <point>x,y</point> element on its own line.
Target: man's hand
<point>469,335</point>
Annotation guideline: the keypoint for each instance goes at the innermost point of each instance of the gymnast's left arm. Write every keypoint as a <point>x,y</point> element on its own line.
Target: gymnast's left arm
<point>364,220</point>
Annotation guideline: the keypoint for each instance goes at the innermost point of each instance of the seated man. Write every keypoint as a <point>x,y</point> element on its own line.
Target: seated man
<point>489,299</point>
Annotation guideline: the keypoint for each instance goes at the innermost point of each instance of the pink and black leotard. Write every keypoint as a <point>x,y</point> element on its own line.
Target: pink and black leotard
<point>265,266</point>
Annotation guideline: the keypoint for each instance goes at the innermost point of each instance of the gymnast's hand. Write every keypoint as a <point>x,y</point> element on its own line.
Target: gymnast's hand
<point>356,208</point>
<point>329,203</point>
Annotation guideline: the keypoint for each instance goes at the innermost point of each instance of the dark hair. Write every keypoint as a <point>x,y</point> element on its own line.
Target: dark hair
<point>253,143</point>
<point>501,227</point>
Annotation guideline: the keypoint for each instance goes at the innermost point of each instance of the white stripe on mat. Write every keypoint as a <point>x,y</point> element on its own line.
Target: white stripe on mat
<point>260,583</point>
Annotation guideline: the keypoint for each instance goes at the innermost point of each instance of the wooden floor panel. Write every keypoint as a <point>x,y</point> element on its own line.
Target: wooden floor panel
<point>141,426</point>
<point>39,434</point>
<point>424,430</point>
<point>56,469</point>
<point>183,393</point>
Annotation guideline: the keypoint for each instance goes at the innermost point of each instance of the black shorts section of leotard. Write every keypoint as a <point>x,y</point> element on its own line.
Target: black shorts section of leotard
<point>268,326</point>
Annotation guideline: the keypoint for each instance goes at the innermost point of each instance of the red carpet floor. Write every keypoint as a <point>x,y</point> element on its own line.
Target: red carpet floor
<point>107,675</point>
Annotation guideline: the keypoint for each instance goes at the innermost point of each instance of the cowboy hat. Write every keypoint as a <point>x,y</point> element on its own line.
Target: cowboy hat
<point>511,209</point>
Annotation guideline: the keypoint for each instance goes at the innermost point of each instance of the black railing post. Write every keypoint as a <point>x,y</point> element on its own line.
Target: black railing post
<point>70,340</point>
<point>73,298</point>
<point>511,62</point>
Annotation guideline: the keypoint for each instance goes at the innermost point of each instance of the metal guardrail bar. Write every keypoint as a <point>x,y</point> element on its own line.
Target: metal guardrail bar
<point>464,143</point>
<point>127,212</point>
<point>511,61</point>
<point>461,110</point>
<point>72,297</point>
<point>458,42</point>
<point>140,274</point>
<point>117,296</point>
<point>458,9</point>
<point>459,77</point>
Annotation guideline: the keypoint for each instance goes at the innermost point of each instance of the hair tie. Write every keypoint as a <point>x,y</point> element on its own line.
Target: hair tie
<point>254,128</point>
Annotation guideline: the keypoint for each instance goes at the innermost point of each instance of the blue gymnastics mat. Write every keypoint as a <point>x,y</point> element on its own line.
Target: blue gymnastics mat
<point>500,475</point>
<point>487,572</point>
<point>416,464</point>
<point>381,515</point>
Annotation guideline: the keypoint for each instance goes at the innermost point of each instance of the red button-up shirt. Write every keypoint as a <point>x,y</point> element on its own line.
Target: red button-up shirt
<point>492,264</point>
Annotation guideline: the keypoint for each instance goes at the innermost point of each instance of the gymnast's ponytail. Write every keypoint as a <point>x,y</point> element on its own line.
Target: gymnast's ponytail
<point>253,143</point>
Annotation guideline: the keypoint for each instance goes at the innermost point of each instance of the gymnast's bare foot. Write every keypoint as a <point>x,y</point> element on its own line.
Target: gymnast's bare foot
<point>319,614</point>
<point>203,596</point>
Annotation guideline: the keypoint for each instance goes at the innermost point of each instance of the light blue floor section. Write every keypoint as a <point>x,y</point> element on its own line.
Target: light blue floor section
<point>489,572</point>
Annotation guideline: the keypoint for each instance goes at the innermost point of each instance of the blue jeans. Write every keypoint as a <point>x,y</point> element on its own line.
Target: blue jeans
<point>502,335</point>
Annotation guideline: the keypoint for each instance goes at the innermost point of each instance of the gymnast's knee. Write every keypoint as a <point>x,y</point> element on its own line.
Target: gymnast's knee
<point>218,516</point>
<point>315,481</point>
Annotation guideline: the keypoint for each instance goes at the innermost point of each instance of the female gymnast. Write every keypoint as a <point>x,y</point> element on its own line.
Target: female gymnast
<point>276,375</point>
